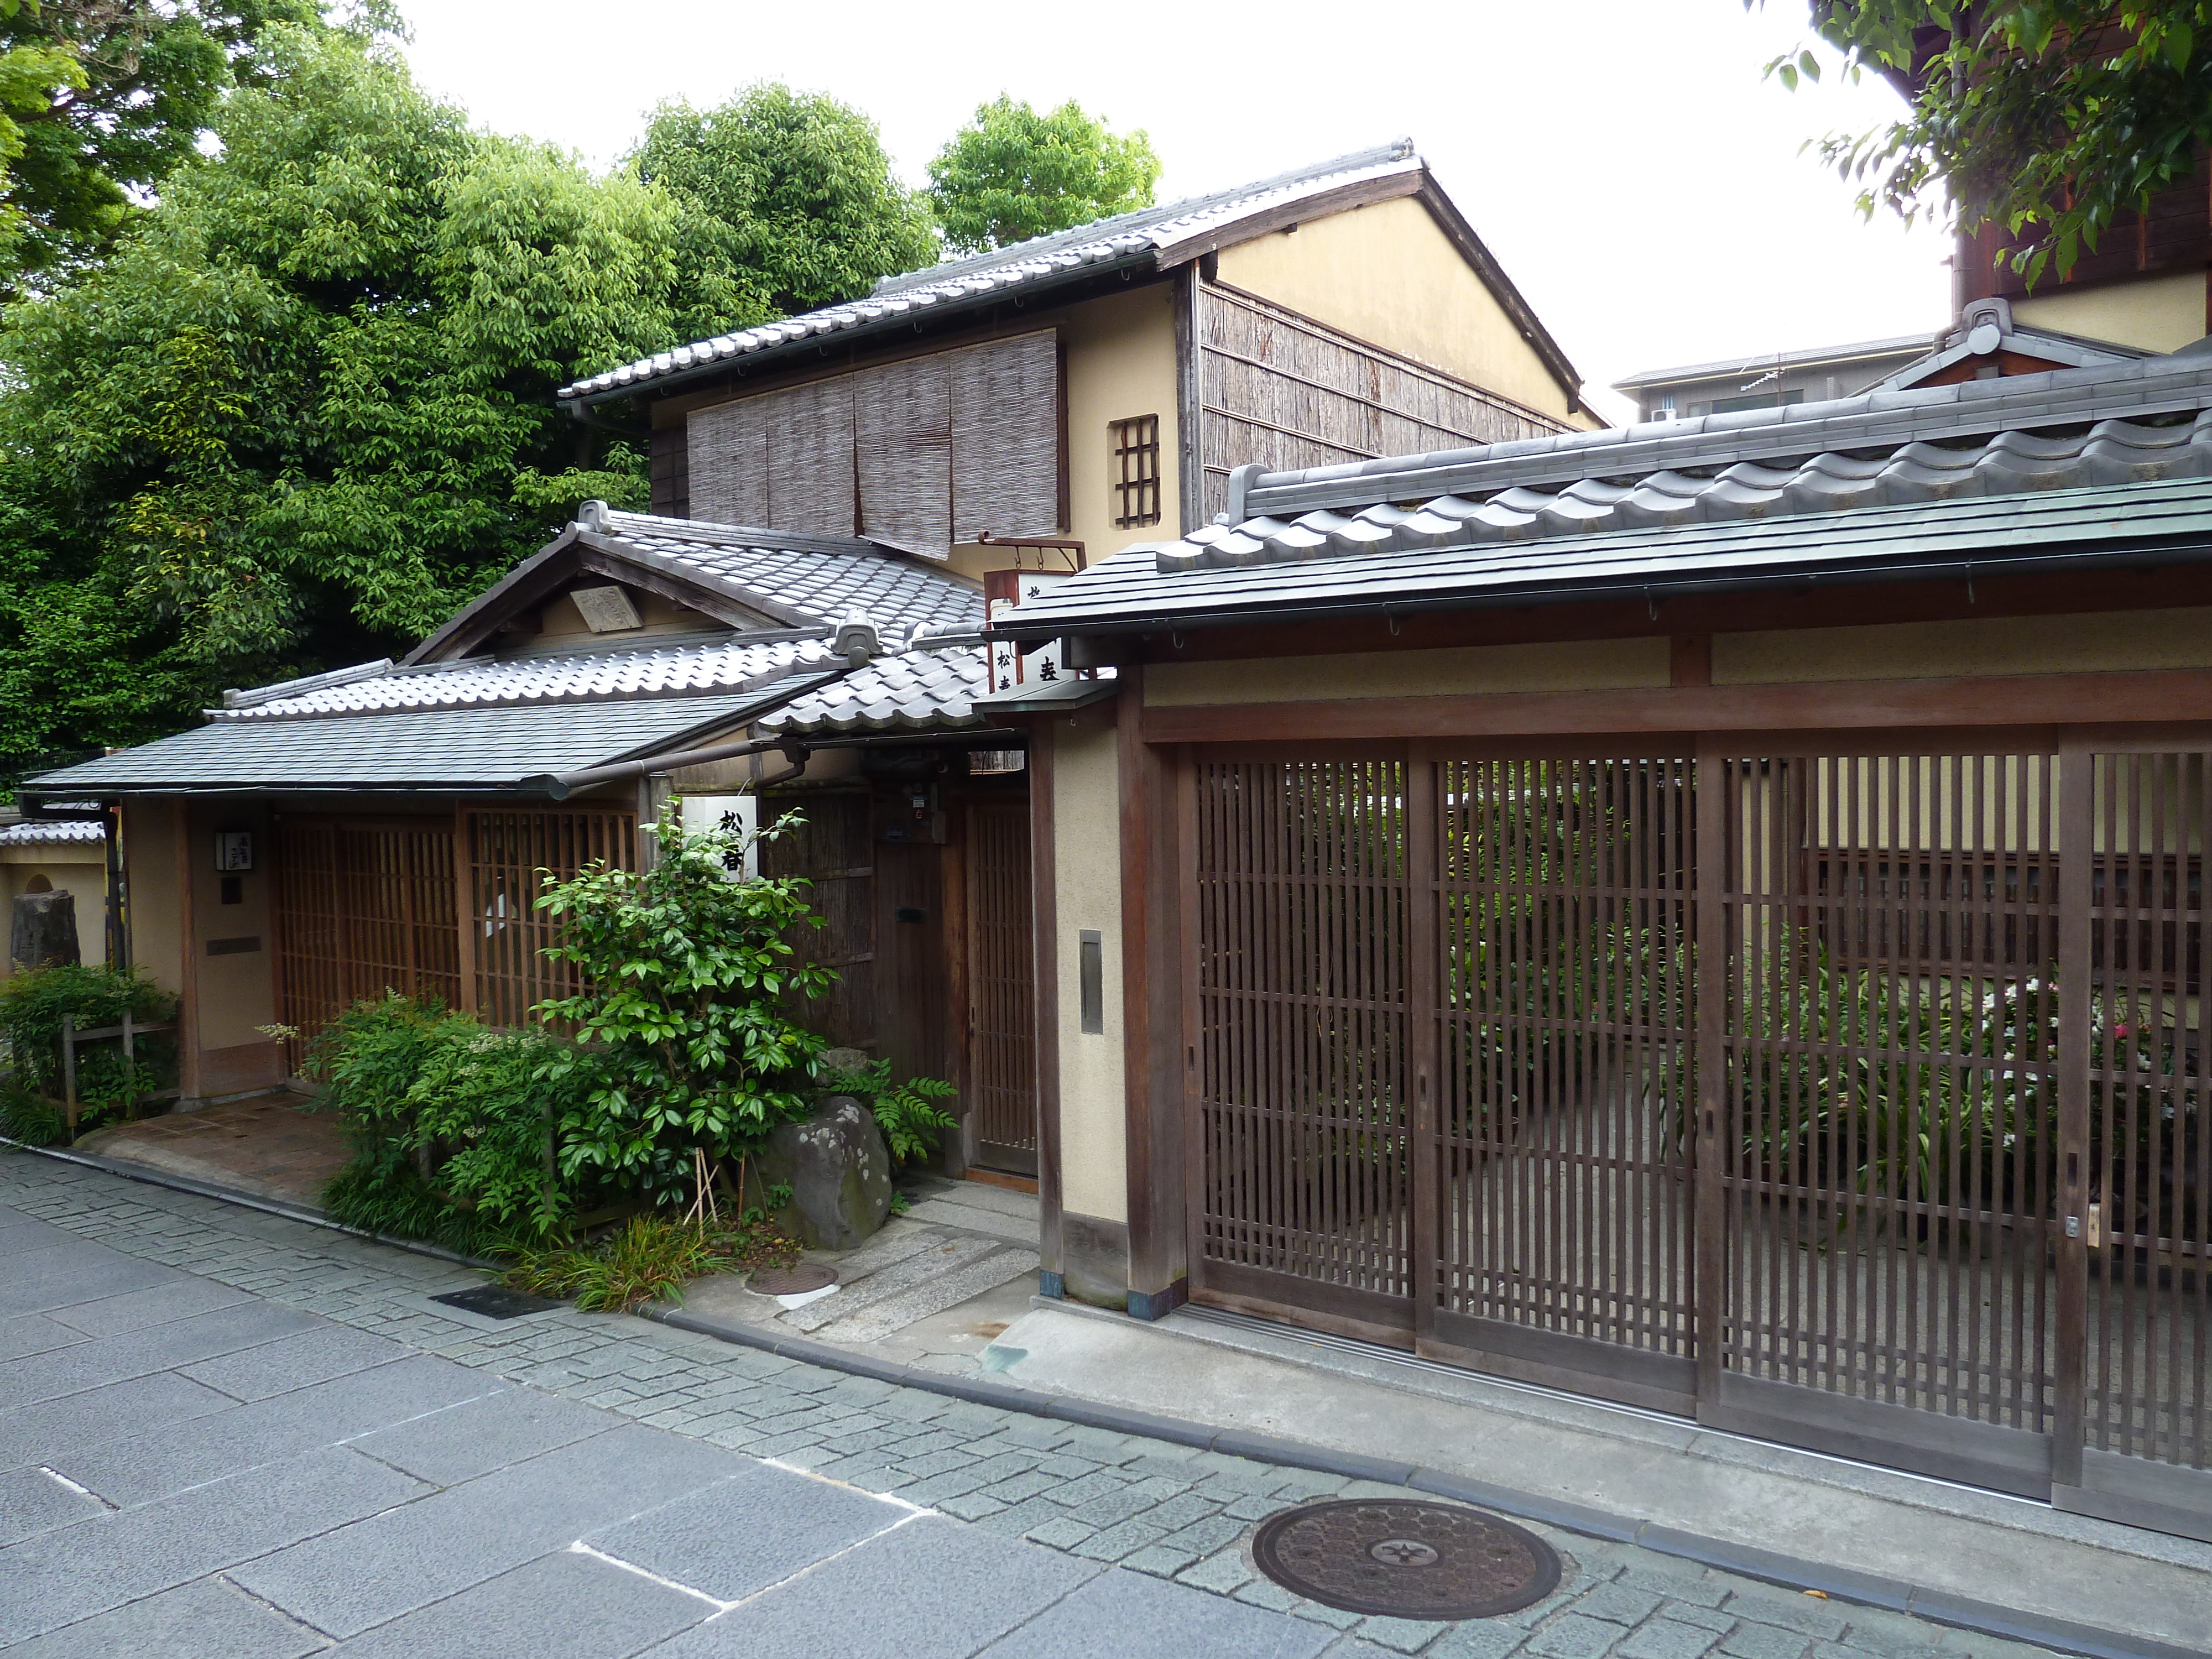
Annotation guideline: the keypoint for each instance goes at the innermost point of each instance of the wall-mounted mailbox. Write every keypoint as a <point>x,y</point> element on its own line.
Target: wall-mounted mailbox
<point>1091,976</point>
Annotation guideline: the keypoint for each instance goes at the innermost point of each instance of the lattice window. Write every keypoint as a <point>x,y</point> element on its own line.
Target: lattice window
<point>1136,471</point>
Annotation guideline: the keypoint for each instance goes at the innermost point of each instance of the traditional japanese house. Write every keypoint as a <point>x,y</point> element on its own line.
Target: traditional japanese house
<point>1709,914</point>
<point>836,499</point>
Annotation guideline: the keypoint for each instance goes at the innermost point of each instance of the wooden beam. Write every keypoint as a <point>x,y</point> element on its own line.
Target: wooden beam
<point>1838,605</point>
<point>2168,694</point>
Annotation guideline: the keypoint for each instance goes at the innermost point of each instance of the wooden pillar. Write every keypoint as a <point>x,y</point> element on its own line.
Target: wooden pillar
<point>1427,1189</point>
<point>465,909</point>
<point>1044,909</point>
<point>1152,1064</point>
<point>1715,806</point>
<point>2070,1246</point>
<point>188,951</point>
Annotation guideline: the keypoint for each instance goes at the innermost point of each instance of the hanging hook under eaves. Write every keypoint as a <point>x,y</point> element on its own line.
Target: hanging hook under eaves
<point>1650,603</point>
<point>1391,616</point>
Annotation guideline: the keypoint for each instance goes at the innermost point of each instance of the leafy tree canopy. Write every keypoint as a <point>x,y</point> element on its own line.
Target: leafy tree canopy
<point>2048,117</point>
<point>1012,174</point>
<point>98,98</point>
<point>307,407</point>
<point>792,206</point>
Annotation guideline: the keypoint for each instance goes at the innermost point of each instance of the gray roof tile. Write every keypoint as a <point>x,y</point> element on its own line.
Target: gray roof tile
<point>459,747</point>
<point>1137,237</point>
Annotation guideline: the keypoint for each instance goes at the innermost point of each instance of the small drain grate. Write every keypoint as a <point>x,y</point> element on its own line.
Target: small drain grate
<point>792,1281</point>
<point>1405,1559</point>
<point>495,1302</point>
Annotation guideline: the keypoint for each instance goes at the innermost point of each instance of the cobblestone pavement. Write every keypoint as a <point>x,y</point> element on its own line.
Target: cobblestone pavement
<point>1145,1506</point>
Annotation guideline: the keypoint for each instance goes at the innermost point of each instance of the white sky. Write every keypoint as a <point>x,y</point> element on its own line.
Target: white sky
<point>1622,158</point>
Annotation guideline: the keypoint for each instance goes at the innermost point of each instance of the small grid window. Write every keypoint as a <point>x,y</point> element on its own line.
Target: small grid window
<point>1136,471</point>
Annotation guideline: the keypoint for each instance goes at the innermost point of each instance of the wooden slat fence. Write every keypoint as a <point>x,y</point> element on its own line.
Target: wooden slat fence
<point>362,905</point>
<point>513,854</point>
<point>1001,986</point>
<point>1847,1096</point>
<point>1287,392</point>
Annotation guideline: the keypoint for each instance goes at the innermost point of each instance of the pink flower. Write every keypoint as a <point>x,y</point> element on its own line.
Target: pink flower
<point>2119,1030</point>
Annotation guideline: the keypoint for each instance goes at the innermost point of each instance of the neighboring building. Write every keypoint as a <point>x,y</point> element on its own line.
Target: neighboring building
<point>836,499</point>
<point>1708,915</point>
<point>66,856</point>
<point>1771,379</point>
<point>1100,383</point>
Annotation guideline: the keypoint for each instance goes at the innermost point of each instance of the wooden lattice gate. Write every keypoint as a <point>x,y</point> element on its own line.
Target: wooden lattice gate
<point>1852,1096</point>
<point>1001,987</point>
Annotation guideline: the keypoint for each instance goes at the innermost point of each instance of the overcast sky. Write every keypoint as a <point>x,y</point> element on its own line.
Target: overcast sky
<point>1622,158</point>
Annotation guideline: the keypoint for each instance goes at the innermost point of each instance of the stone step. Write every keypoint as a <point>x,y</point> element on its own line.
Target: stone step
<point>947,1255</point>
<point>893,1314</point>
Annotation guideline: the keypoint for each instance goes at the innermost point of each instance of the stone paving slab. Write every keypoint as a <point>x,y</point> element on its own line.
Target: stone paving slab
<point>1036,1516</point>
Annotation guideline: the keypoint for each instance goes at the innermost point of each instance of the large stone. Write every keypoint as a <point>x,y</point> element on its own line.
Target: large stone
<point>839,1173</point>
<point>43,931</point>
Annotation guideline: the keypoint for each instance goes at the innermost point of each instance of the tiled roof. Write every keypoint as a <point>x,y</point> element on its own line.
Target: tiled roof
<point>2075,455</point>
<point>647,669</point>
<point>1756,361</point>
<point>824,577</point>
<point>56,832</point>
<point>1130,238</point>
<point>918,691</point>
<point>423,748</point>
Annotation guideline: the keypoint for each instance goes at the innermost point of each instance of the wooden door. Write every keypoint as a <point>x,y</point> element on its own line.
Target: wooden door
<point>1001,1068</point>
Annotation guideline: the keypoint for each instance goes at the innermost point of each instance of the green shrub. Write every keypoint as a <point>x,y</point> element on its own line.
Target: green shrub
<point>647,1259</point>
<point>913,1124</point>
<point>454,1125</point>
<point>35,1003</point>
<point>31,1119</point>
<point>684,1058</point>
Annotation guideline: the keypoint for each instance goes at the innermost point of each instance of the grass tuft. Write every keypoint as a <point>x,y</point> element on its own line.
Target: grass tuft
<point>647,1259</point>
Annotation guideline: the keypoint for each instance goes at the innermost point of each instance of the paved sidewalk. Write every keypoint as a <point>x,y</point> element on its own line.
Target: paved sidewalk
<point>326,1460</point>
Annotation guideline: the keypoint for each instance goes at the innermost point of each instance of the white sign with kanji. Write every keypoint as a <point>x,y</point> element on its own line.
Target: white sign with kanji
<point>1009,666</point>
<point>739,814</point>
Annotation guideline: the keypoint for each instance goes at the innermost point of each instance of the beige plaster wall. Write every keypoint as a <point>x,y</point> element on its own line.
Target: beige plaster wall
<point>1087,894</point>
<point>1464,670</point>
<point>1388,274</point>
<point>237,992</point>
<point>2153,313</point>
<point>1120,362</point>
<point>2114,640</point>
<point>149,853</point>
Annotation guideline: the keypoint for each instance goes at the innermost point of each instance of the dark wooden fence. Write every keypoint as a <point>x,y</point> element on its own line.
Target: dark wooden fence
<point>1846,1095</point>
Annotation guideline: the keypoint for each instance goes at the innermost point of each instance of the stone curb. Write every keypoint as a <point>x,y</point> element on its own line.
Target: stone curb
<point>148,1177</point>
<point>1789,1572</point>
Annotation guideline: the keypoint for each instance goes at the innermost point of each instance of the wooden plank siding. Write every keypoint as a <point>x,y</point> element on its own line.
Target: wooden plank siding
<point>1286,390</point>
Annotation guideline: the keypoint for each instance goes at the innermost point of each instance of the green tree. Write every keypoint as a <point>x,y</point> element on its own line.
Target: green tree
<point>99,99</point>
<point>1012,174</point>
<point>2049,118</point>
<point>791,202</point>
<point>306,408</point>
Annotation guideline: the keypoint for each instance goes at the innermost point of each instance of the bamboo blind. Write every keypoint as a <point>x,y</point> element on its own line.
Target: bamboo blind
<point>361,906</point>
<point>1286,392</point>
<point>513,854</point>
<point>929,451</point>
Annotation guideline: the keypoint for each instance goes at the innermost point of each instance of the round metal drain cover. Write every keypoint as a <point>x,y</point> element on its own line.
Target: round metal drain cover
<point>1405,1559</point>
<point>794,1280</point>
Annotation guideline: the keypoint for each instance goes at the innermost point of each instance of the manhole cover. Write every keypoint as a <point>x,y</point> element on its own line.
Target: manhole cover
<point>792,1281</point>
<point>1405,1560</point>
<point>495,1302</point>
